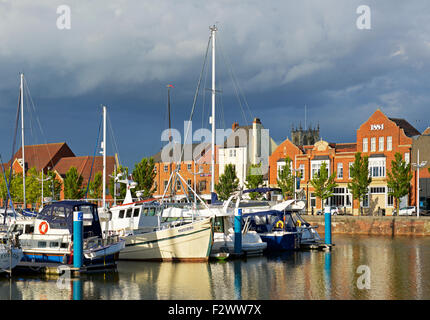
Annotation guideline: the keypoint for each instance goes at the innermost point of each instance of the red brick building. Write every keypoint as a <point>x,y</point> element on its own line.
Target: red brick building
<point>86,166</point>
<point>195,169</point>
<point>380,137</point>
<point>58,157</point>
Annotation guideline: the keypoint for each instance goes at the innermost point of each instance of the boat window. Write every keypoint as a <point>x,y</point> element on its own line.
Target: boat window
<point>58,217</point>
<point>121,214</point>
<point>129,211</point>
<point>29,228</point>
<point>136,212</point>
<point>58,212</point>
<point>145,211</point>
<point>151,211</point>
<point>18,228</point>
<point>64,245</point>
<point>219,224</point>
<point>87,211</point>
<point>41,244</point>
<point>54,244</point>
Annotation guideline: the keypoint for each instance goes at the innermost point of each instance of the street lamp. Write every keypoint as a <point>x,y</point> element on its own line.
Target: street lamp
<point>42,180</point>
<point>418,165</point>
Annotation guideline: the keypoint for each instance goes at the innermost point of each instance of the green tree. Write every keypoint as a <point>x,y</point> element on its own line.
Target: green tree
<point>399,179</point>
<point>73,184</point>
<point>95,188</point>
<point>323,184</point>
<point>359,172</point>
<point>286,179</point>
<point>228,182</point>
<point>51,185</point>
<point>122,190</point>
<point>254,180</point>
<point>33,187</point>
<point>144,175</point>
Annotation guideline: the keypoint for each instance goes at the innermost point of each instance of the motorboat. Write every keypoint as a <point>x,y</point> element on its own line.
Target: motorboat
<point>150,236</point>
<point>48,237</point>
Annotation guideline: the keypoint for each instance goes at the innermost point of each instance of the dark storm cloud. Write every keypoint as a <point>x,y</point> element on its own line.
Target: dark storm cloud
<point>283,54</point>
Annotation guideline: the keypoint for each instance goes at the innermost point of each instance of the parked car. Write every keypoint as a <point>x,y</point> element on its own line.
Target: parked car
<point>333,210</point>
<point>406,211</point>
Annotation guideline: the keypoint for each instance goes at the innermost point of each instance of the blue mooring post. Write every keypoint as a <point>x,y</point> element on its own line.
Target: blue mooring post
<point>327,225</point>
<point>238,232</point>
<point>78,239</point>
<point>77,289</point>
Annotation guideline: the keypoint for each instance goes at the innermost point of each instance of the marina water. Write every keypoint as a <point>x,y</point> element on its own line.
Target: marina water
<point>397,268</point>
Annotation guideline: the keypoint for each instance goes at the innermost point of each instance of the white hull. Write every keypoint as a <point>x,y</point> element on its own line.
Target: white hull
<point>103,251</point>
<point>8,262</point>
<point>251,243</point>
<point>192,241</point>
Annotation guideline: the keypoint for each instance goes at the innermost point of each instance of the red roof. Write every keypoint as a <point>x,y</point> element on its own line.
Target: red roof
<point>83,165</point>
<point>43,155</point>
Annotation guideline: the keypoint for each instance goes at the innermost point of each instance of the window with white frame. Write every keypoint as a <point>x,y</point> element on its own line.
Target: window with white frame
<point>365,144</point>
<point>280,166</point>
<point>390,198</point>
<point>349,169</point>
<point>377,167</point>
<point>302,171</point>
<point>341,197</point>
<point>381,144</point>
<point>407,157</point>
<point>340,170</point>
<point>189,166</point>
<point>316,165</point>
<point>372,144</point>
<point>389,143</point>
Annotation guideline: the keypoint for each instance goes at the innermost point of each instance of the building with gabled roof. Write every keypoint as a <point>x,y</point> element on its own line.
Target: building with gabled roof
<point>86,166</point>
<point>40,156</point>
<point>379,138</point>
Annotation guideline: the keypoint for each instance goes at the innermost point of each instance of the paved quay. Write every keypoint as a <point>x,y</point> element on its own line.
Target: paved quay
<point>374,225</point>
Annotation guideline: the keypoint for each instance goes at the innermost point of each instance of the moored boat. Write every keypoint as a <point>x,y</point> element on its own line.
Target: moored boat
<point>49,236</point>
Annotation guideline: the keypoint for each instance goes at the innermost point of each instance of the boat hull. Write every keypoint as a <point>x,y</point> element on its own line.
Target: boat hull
<point>8,260</point>
<point>190,242</point>
<point>281,241</point>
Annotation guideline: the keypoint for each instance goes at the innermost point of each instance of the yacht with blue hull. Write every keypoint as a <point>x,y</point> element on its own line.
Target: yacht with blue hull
<point>48,237</point>
<point>276,228</point>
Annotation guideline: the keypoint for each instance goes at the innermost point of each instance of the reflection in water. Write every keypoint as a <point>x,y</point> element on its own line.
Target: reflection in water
<point>399,269</point>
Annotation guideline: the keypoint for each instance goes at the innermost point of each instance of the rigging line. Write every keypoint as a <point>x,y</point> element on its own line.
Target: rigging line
<point>221,116</point>
<point>234,87</point>
<point>234,78</point>
<point>14,139</point>
<point>8,194</point>
<point>204,99</point>
<point>32,133</point>
<point>115,145</point>
<point>94,157</point>
<point>195,99</point>
<point>40,126</point>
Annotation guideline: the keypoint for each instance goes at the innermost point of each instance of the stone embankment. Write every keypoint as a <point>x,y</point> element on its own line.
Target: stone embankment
<point>386,225</point>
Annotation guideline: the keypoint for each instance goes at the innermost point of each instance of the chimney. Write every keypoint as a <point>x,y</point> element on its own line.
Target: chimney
<point>235,126</point>
<point>256,120</point>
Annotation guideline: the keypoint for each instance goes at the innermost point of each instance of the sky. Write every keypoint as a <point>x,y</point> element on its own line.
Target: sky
<point>272,59</point>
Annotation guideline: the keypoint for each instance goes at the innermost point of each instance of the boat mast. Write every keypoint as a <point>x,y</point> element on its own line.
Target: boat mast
<point>22,139</point>
<point>104,157</point>
<point>213,31</point>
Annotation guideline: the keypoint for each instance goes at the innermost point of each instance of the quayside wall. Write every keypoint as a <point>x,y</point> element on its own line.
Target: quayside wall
<point>386,225</point>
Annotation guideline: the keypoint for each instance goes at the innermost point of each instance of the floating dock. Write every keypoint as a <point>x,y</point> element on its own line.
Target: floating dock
<point>316,246</point>
<point>59,269</point>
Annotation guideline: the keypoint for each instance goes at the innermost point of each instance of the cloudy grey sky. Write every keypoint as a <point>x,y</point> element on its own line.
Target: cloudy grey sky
<point>283,54</point>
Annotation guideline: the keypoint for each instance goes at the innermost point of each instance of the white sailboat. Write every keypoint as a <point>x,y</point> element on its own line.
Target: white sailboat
<point>147,236</point>
<point>223,215</point>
